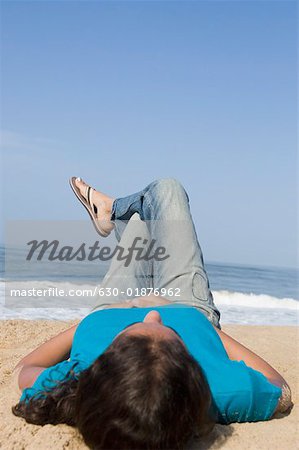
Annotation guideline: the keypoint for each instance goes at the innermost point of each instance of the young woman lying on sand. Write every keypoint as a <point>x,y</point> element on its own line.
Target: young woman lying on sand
<point>153,371</point>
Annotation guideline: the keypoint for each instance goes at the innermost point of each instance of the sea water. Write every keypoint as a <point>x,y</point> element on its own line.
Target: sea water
<point>243,294</point>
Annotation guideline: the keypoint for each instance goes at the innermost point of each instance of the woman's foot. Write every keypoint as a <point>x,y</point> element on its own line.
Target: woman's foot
<point>100,204</point>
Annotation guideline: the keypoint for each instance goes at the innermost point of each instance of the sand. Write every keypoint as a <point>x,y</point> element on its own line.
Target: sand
<point>278,345</point>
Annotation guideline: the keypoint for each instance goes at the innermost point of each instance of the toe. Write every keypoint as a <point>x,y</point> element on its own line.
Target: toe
<point>81,185</point>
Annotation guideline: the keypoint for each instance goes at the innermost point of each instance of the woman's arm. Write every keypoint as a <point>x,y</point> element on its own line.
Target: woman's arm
<point>237,351</point>
<point>46,355</point>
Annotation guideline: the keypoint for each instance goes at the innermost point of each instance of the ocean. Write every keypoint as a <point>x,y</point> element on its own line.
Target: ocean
<point>244,294</point>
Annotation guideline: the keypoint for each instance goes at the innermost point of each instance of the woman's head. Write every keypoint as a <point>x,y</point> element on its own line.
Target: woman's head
<point>146,391</point>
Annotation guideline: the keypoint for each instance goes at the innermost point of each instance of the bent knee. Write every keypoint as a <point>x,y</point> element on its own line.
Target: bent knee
<point>170,185</point>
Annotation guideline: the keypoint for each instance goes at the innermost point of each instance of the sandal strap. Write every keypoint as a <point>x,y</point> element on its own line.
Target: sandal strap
<point>86,192</point>
<point>89,195</point>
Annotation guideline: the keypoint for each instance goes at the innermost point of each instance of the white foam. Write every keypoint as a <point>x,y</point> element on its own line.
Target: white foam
<point>254,300</point>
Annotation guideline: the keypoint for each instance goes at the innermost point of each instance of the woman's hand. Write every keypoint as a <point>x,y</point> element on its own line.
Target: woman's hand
<point>140,302</point>
<point>150,300</point>
<point>126,304</point>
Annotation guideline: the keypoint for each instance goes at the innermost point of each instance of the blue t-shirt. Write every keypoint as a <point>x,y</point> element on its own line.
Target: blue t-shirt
<point>240,393</point>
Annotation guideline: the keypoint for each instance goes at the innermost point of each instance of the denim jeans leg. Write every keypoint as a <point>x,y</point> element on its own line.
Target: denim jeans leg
<point>125,281</point>
<point>164,206</point>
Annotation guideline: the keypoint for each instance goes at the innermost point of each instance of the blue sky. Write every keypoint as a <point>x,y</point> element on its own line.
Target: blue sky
<point>125,92</point>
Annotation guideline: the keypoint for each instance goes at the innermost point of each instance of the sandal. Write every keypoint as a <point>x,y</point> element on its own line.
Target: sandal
<point>89,205</point>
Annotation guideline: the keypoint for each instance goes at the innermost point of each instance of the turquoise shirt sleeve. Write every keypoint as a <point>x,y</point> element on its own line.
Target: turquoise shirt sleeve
<point>49,378</point>
<point>254,398</point>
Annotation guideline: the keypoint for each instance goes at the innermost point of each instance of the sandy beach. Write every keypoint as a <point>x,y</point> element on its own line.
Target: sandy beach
<point>278,345</point>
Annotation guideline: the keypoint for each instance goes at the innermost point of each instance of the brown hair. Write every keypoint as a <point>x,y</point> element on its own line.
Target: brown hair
<point>141,393</point>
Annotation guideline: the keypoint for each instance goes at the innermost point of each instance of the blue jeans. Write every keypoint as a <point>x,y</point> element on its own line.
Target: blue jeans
<point>159,216</point>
